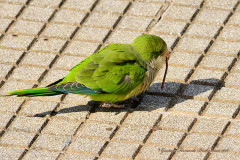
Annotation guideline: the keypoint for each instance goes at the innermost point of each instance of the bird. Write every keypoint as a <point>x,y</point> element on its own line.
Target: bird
<point>114,73</point>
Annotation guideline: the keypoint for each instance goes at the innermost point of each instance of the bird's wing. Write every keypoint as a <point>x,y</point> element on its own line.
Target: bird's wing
<point>113,69</point>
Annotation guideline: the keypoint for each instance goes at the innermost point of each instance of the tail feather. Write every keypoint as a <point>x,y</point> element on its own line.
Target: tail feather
<point>44,91</point>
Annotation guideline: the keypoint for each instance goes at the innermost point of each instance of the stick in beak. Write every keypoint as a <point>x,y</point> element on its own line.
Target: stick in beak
<point>166,69</point>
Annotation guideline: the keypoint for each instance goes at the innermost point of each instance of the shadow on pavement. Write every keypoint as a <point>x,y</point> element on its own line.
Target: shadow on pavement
<point>149,100</point>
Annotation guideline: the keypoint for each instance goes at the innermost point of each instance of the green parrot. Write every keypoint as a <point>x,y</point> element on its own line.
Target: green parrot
<point>115,73</point>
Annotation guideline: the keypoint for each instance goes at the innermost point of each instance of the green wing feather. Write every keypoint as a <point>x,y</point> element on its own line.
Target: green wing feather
<point>113,70</point>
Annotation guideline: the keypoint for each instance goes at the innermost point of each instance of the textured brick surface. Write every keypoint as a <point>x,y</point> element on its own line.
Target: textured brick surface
<point>195,116</point>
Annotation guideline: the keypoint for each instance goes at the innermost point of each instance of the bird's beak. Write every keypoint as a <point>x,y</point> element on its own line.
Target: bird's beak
<point>167,55</point>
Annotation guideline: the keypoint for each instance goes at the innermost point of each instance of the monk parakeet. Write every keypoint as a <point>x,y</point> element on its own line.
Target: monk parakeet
<point>115,73</point>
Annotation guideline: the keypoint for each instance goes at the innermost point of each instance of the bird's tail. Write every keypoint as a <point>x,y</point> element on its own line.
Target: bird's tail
<point>44,91</point>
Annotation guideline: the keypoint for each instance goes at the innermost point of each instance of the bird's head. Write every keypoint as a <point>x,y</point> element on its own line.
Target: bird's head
<point>152,51</point>
<point>150,47</point>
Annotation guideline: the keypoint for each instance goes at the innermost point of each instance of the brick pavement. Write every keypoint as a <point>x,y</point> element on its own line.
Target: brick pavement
<point>196,115</point>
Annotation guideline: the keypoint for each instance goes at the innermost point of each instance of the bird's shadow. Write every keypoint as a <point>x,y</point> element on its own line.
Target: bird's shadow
<point>171,90</point>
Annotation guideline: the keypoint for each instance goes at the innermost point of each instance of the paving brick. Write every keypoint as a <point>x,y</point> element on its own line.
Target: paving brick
<point>108,6</point>
<point>17,1</point>
<point>80,48</point>
<point>10,104</point>
<point>188,106</point>
<point>179,13</point>
<point>59,31</point>
<point>27,124</point>
<point>175,122</point>
<point>68,17</point>
<point>40,154</point>
<point>193,44</point>
<point>189,155</point>
<point>212,16</point>
<point>54,75</point>
<point>111,158</point>
<point>5,118</point>
<point>207,76</point>
<point>139,118</point>
<point>198,141</point>
<point>172,75</point>
<point>195,3</point>
<point>169,39</point>
<point>229,94</point>
<point>61,127</point>
<point>38,59</point>
<point>97,130</point>
<point>71,156</point>
<point>4,70</point>
<point>17,138</point>
<point>76,99</point>
<point>8,153</point>
<point>48,45</point>
<point>230,33</point>
<point>79,4</point>
<point>26,27</point>
<point>184,59</point>
<point>36,107</point>
<point>171,27</point>
<point>11,85</point>
<point>150,102</point>
<point>134,23</point>
<point>67,62</point>
<point>165,138</point>
<point>4,23</point>
<point>46,3</point>
<point>37,14</point>
<point>27,73</point>
<point>9,56</point>
<point>102,115</point>
<point>87,145</point>
<point>233,80</point>
<point>235,19</point>
<point>237,67</point>
<point>209,126</point>
<point>120,36</point>
<point>169,87</point>
<point>209,31</point>
<point>51,142</point>
<point>18,42</point>
<point>198,91</point>
<point>144,9</point>
<point>218,109</point>
<point>229,143</point>
<point>221,4</point>
<point>219,155</point>
<point>91,34</point>
<point>73,112</point>
<point>131,133</point>
<point>154,152</point>
<point>224,48</point>
<point>96,20</point>
<point>9,10</point>
<point>233,129</point>
<point>127,149</point>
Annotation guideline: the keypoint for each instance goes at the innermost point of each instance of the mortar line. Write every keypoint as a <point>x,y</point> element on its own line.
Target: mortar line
<point>187,78</point>
<point>11,70</point>
<point>19,60</point>
<point>164,8</point>
<point>73,137</point>
<point>215,89</point>
<point>103,42</point>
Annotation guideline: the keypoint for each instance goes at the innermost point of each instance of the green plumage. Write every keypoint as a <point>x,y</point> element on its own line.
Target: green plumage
<point>114,73</point>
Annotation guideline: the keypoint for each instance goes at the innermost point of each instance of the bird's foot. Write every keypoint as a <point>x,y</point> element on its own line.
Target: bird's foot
<point>109,105</point>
